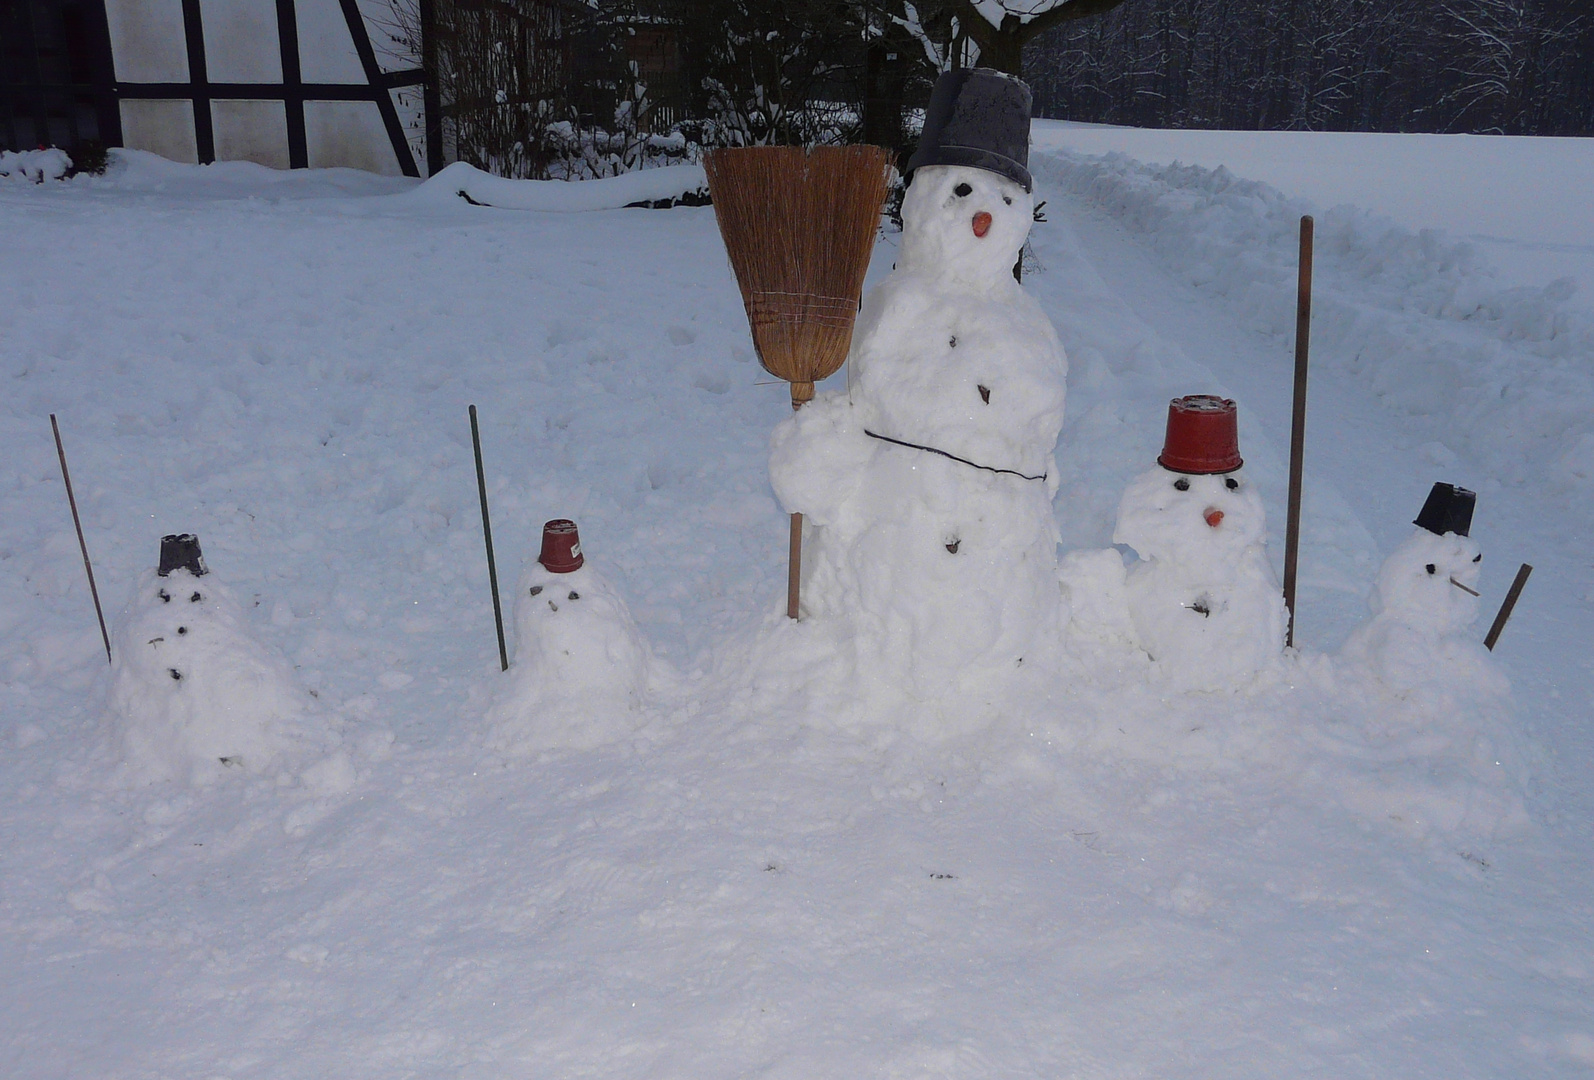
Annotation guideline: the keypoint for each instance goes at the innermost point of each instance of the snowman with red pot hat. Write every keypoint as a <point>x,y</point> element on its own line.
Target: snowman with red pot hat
<point>1203,598</point>
<point>581,667</point>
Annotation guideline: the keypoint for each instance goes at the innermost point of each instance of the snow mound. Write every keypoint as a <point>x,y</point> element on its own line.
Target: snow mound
<point>142,171</point>
<point>36,166</point>
<point>194,694</point>
<point>1419,317</point>
<point>609,193</point>
<point>580,673</point>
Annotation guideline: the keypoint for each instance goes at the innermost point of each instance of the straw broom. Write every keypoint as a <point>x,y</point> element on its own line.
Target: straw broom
<point>799,225</point>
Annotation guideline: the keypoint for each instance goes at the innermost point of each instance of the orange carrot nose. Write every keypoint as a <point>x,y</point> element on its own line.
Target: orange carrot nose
<point>1214,516</point>
<point>982,223</point>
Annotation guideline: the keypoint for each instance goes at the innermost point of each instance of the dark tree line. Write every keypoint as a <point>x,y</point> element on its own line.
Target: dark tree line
<point>593,87</point>
<point>1501,66</point>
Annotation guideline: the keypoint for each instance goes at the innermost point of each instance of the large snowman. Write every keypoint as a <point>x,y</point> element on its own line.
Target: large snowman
<point>1202,597</point>
<point>927,487</point>
<point>1424,604</point>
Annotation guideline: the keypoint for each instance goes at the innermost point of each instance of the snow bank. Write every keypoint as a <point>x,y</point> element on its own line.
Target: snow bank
<point>1419,317</point>
<point>142,171</point>
<point>610,193</point>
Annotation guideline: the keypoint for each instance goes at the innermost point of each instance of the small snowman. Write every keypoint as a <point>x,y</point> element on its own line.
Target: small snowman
<point>927,487</point>
<point>581,667</point>
<point>1203,598</point>
<point>1424,604</point>
<point>194,694</point>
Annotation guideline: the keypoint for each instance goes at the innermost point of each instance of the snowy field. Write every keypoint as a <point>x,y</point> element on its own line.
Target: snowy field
<point>763,878</point>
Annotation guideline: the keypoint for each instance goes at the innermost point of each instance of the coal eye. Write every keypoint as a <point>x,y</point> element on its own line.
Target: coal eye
<point>962,191</point>
<point>1431,569</point>
<point>1181,484</point>
<point>1478,557</point>
<point>1008,199</point>
<point>1231,483</point>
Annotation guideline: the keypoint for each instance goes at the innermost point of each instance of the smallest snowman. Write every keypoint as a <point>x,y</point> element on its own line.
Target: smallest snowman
<point>194,693</point>
<point>1203,598</point>
<point>1423,604</point>
<point>581,667</point>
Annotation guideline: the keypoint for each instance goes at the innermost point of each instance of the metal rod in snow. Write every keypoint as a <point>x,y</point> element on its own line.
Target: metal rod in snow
<point>1303,338</point>
<point>82,544</point>
<point>487,532</point>
<point>1505,608</point>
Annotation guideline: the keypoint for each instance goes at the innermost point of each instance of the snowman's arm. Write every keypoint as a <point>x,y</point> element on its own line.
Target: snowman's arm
<point>818,457</point>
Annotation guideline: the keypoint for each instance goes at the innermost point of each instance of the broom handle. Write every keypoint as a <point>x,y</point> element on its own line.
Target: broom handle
<point>794,560</point>
<point>795,566</point>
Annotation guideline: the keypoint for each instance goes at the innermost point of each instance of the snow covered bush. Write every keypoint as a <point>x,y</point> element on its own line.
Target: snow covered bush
<point>35,166</point>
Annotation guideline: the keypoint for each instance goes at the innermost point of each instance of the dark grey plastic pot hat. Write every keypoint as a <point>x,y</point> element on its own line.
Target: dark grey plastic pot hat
<point>977,117</point>
<point>1448,509</point>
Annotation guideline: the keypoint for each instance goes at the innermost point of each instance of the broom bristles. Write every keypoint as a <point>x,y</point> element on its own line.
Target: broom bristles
<point>799,226</point>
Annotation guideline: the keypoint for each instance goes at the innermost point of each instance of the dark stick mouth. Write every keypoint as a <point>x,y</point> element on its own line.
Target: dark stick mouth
<point>982,223</point>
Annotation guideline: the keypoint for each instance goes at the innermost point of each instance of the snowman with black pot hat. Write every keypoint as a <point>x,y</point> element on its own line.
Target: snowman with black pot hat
<point>195,693</point>
<point>1425,601</point>
<point>1202,596</point>
<point>927,485</point>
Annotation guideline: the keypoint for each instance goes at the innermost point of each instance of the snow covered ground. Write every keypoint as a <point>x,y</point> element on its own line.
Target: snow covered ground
<point>761,880</point>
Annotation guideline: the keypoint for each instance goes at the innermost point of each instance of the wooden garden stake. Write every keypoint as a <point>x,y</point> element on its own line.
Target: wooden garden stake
<point>1303,335</point>
<point>81,543</point>
<point>1506,607</point>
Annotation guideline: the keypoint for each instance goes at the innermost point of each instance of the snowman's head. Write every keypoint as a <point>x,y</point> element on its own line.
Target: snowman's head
<point>1426,582</point>
<point>1198,522</point>
<point>965,224</point>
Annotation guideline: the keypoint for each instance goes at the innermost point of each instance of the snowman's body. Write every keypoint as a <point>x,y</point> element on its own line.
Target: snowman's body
<point>1420,631</point>
<point>928,488</point>
<point>1203,598</point>
<point>581,666</point>
<point>194,693</point>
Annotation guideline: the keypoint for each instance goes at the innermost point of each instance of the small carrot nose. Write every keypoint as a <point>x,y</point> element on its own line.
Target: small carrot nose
<point>1214,516</point>
<point>982,223</point>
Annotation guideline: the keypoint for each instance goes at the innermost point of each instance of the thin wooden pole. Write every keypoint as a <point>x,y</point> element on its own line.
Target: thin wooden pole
<point>1506,608</point>
<point>82,544</point>
<point>1303,338</point>
<point>487,532</point>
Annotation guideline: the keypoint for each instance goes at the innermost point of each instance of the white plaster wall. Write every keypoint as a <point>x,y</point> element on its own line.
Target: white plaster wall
<point>147,42</point>
<point>251,131</point>
<point>348,134</point>
<point>241,42</point>
<point>161,127</point>
<point>326,51</point>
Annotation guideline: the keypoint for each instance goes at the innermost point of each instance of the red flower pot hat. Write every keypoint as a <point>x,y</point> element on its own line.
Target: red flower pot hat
<point>1203,435</point>
<point>561,547</point>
